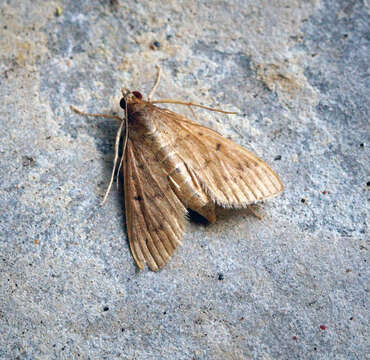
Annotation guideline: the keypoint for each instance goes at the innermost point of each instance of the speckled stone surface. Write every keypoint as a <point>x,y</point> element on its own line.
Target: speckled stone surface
<point>291,286</point>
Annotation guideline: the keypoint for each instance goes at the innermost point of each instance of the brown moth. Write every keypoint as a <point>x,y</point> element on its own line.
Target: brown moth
<point>172,164</point>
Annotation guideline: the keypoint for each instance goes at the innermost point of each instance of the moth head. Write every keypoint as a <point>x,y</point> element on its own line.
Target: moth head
<point>130,97</point>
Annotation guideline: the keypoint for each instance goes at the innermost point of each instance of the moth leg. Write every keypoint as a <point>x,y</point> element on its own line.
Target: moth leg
<point>193,112</point>
<point>107,116</point>
<point>256,214</point>
<point>124,143</point>
<point>169,101</point>
<point>116,145</point>
<point>155,84</point>
<point>116,149</point>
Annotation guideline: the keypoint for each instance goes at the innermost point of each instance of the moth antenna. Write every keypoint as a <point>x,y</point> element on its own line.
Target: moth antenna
<point>256,214</point>
<point>155,84</point>
<point>169,101</point>
<point>116,148</point>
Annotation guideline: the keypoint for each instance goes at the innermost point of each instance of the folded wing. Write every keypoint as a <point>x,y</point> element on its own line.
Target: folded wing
<point>155,216</point>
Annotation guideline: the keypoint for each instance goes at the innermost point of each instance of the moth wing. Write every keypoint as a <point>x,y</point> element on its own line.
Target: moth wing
<point>231,175</point>
<point>155,216</point>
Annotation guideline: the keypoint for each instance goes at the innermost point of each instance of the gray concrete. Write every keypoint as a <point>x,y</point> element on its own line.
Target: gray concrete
<point>239,289</point>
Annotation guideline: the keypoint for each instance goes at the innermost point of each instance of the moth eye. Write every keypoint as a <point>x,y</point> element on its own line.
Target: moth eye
<point>122,103</point>
<point>137,95</point>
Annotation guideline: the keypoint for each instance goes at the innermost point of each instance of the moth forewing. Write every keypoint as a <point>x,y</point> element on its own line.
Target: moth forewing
<point>155,216</point>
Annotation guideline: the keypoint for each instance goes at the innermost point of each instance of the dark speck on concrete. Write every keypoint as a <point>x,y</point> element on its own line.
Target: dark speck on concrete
<point>155,45</point>
<point>28,161</point>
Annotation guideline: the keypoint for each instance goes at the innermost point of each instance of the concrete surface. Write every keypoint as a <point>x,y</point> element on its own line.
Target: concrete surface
<point>292,286</point>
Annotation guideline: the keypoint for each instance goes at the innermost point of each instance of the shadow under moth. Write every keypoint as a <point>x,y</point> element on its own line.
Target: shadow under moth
<point>171,164</point>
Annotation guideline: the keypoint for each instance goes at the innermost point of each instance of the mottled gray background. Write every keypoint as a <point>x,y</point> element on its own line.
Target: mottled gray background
<point>291,286</point>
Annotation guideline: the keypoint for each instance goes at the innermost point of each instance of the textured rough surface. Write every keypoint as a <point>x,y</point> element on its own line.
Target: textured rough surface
<point>293,285</point>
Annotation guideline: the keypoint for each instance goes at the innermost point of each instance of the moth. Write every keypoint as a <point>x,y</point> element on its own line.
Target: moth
<point>171,164</point>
